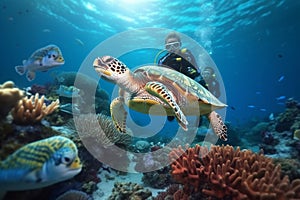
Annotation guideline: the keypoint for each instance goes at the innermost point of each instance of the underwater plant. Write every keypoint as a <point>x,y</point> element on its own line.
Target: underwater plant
<point>99,130</point>
<point>32,110</point>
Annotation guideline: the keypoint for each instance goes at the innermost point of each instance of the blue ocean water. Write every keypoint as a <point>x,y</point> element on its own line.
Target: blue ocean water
<point>253,43</point>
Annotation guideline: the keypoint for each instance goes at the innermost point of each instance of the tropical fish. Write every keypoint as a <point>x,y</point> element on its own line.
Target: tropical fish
<point>39,164</point>
<point>68,92</point>
<point>280,78</point>
<point>280,98</point>
<point>41,60</point>
<point>271,117</point>
<point>46,30</point>
<point>251,106</point>
<point>78,41</point>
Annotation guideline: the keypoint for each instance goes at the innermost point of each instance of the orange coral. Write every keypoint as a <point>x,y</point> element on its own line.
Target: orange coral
<point>224,171</point>
<point>32,110</point>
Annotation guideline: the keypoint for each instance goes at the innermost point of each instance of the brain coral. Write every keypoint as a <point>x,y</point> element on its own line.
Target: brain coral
<point>227,172</point>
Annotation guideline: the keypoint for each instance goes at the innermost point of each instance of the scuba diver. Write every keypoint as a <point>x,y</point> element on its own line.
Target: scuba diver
<point>209,76</point>
<point>181,60</point>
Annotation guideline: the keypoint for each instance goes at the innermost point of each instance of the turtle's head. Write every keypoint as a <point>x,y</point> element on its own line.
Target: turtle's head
<point>110,68</point>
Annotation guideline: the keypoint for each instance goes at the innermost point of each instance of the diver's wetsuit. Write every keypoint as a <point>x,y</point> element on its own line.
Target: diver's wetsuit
<point>183,62</point>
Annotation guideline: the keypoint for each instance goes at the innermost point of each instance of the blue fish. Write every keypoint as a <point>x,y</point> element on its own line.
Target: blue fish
<point>280,98</point>
<point>68,92</point>
<point>280,78</point>
<point>41,60</point>
<point>271,117</point>
<point>39,164</point>
<point>251,106</point>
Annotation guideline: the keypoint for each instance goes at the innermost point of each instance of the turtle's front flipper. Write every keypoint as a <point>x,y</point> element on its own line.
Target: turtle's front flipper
<point>161,91</point>
<point>218,126</point>
<point>118,114</point>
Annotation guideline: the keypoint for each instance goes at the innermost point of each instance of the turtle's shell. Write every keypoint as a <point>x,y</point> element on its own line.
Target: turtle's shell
<point>189,95</point>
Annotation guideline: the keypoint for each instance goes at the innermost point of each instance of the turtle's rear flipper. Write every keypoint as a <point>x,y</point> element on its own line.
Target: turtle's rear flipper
<point>118,114</point>
<point>218,125</point>
<point>161,91</point>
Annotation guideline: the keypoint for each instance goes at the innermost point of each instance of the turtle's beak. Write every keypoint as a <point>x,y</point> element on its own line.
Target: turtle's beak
<point>101,67</point>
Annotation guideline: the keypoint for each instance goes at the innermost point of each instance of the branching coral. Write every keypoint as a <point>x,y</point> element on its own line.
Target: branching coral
<point>32,110</point>
<point>225,171</point>
<point>9,97</point>
<point>99,130</point>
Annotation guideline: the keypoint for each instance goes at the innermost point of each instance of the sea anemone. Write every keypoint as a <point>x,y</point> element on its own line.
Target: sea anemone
<point>99,130</point>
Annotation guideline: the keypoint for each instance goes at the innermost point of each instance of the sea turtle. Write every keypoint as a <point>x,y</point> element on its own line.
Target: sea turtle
<point>153,85</point>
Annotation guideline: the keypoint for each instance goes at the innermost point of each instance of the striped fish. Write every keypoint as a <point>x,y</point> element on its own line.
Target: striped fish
<point>40,164</point>
<point>42,60</point>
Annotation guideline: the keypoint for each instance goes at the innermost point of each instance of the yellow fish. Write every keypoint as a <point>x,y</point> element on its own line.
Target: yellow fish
<point>41,60</point>
<point>39,164</point>
<point>297,134</point>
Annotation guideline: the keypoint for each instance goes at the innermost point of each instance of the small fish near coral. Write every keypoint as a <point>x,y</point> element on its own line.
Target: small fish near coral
<point>68,92</point>
<point>39,164</point>
<point>42,60</point>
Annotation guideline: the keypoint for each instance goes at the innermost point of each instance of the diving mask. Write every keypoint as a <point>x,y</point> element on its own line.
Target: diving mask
<point>172,46</point>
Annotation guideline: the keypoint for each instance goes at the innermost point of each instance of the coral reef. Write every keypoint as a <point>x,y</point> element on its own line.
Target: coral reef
<point>41,89</point>
<point>129,191</point>
<point>168,194</point>
<point>74,195</point>
<point>9,97</point>
<point>157,179</point>
<point>92,96</point>
<point>99,130</point>
<point>32,110</point>
<point>226,172</point>
<point>13,136</point>
<point>289,167</point>
<point>154,165</point>
<point>276,135</point>
<point>290,118</point>
<point>102,139</point>
<point>142,146</point>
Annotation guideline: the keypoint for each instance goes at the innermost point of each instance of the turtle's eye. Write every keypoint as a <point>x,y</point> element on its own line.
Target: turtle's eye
<point>107,59</point>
